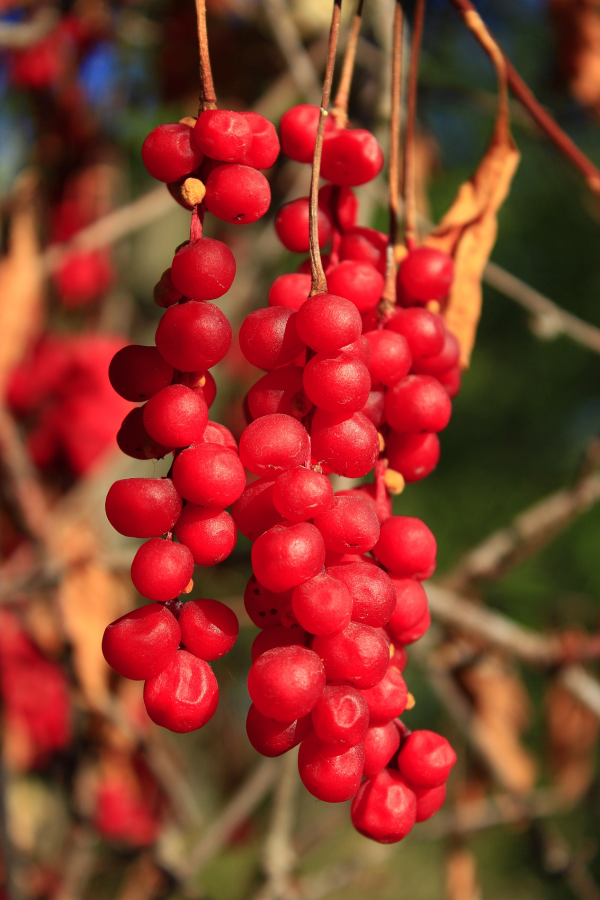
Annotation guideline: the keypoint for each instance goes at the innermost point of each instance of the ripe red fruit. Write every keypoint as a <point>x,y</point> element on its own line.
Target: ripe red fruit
<point>134,440</point>
<point>141,643</point>
<point>351,157</point>
<point>358,655</point>
<point>446,359</point>
<point>269,337</point>
<point>290,290</point>
<point>272,738</point>
<point>280,636</point>
<point>341,716</point>
<point>350,526</point>
<point>203,270</point>
<point>406,547</point>
<point>336,382</point>
<point>298,131</point>
<point>322,605</point>
<point>411,605</point>
<point>387,699</point>
<point>429,801</point>
<point>347,446</point>
<point>272,444</point>
<point>380,742</point>
<point>264,607</point>
<point>451,380</point>
<point>390,357</point>
<point>193,336</point>
<point>291,225</point>
<point>341,203</point>
<point>372,591</point>
<point>185,694</point>
<point>209,629</point>
<point>264,149</point>
<point>384,808</point>
<point>423,330</point>
<point>209,534</point>
<point>170,152</point>
<point>286,682</point>
<point>286,555</point>
<point>143,507</point>
<point>300,494</point>
<point>365,245</point>
<point>426,273</point>
<point>326,322</point>
<point>415,456</point>
<point>237,194</point>
<point>176,416</point>
<point>279,391</point>
<point>83,276</point>
<point>330,772</point>
<point>161,569</point>
<point>357,281</point>
<point>137,373</point>
<point>414,633</point>
<point>425,759</point>
<point>209,475</point>
<point>418,403</point>
<point>374,408</point>
<point>223,134</point>
<point>216,433</point>
<point>254,512</point>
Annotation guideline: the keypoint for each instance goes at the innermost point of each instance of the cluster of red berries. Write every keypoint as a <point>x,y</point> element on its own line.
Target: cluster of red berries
<point>166,643</point>
<point>332,615</point>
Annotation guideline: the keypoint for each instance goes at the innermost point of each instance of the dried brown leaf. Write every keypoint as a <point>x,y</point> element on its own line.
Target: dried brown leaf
<point>572,738</point>
<point>461,875</point>
<point>577,25</point>
<point>468,230</point>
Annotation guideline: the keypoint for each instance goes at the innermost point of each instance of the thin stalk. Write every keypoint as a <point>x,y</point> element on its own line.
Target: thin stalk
<point>410,201</point>
<point>340,104</point>
<point>208,98</point>
<point>318,280</point>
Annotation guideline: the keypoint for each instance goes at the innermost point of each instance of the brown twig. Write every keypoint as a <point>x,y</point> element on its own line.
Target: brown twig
<point>408,181</point>
<point>79,864</point>
<point>208,98</point>
<point>340,104</point>
<point>279,856</point>
<point>22,482</point>
<point>543,119</point>
<point>318,280</point>
<point>300,64</point>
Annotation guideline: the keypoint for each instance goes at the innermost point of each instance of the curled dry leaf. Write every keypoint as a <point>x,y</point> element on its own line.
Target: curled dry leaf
<point>572,738</point>
<point>468,230</point>
<point>577,25</point>
<point>461,875</point>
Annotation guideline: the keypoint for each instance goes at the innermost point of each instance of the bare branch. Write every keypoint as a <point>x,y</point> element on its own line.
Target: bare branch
<point>279,856</point>
<point>295,54</point>
<point>78,867</point>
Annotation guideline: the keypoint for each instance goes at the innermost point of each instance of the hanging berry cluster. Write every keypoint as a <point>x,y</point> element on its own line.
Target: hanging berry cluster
<point>211,163</point>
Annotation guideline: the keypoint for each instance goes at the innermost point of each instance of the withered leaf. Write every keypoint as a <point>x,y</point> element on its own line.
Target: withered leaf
<point>572,737</point>
<point>461,875</point>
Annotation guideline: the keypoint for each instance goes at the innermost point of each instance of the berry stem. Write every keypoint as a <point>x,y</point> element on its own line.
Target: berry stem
<point>340,104</point>
<point>410,202</point>
<point>208,98</point>
<point>197,223</point>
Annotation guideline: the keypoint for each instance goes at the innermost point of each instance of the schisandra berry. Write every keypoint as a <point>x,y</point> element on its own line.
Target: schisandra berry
<point>374,408</point>
<point>451,381</point>
<point>184,696</point>
<point>286,555</point>
<point>165,293</point>
<point>384,808</point>
<point>272,738</point>
<point>290,290</point>
<point>426,273</point>
<point>264,607</point>
<point>326,322</point>
<point>176,416</point>
<point>330,772</point>
<point>203,269</point>
<point>365,245</point>
<point>134,440</point>
<point>341,203</point>
<point>424,331</point>
<point>237,194</point>
<point>417,403</point>
<point>411,605</point>
<point>215,433</point>
<point>358,655</point>
<point>209,629</point>
<point>372,591</point>
<point>347,446</point>
<point>414,632</point>
<point>193,336</point>
<point>209,475</point>
<point>298,131</point>
<point>350,526</point>
<point>341,716</point>
<point>351,157</point>
<point>264,149</point>
<point>446,359</point>
<point>141,643</point>
<point>322,605</point>
<point>291,225</point>
<point>406,547</point>
<point>272,444</point>
<point>380,743</point>
<point>387,699</point>
<point>425,759</point>
<point>300,494</point>
<point>279,391</point>
<point>143,507</point>
<point>357,281</point>
<point>279,636</point>
<point>390,357</point>
<point>429,801</point>
<point>415,456</point>
<point>223,134</point>
<point>254,512</point>
<point>137,373</point>
<point>269,337</point>
<point>337,383</point>
<point>170,152</point>
<point>210,534</point>
<point>286,682</point>
<point>161,570</point>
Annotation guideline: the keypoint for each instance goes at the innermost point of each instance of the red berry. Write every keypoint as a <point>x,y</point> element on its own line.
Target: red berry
<point>350,526</point>
<point>380,742</point>
<point>184,696</point>
<point>387,699</point>
<point>300,494</point>
<point>269,337</point>
<point>264,607</point>
<point>83,276</point>
<point>414,632</point>
<point>330,772</point>
<point>264,149</point>
<point>161,569</point>
<point>423,330</point>
<point>203,270</point>
<point>411,605</point>
<point>209,629</point>
<point>322,605</point>
<point>170,152</point>
<point>337,383</point>
<point>254,512</point>
<point>390,357</point>
<point>287,555</point>
<point>298,131</point>
<point>326,322</point>
<point>341,203</point>
<point>286,682</point>
<point>406,547</point>
<point>237,194</point>
<point>291,225</point>
<point>279,636</point>
<point>137,373</point>
<point>290,290</point>
<point>134,440</point>
<point>450,380</point>
<point>272,444</point>
<point>429,801</point>
<point>415,456</point>
<point>425,759</point>
<point>223,134</point>
<point>176,416</point>
<point>372,591</point>
<point>418,403</point>
<point>446,359</point>
<point>209,534</point>
<point>357,281</point>
<point>358,655</point>
<point>374,408</point>
<point>272,738</point>
<point>141,643</point>
<point>279,391</point>
<point>426,273</point>
<point>341,716</point>
<point>347,446</point>
<point>193,336</point>
<point>351,157</point>
<point>215,433</point>
<point>209,475</point>
<point>143,507</point>
<point>384,808</point>
<point>365,245</point>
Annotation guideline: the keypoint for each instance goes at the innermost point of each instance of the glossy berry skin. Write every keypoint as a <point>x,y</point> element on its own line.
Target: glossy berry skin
<point>285,683</point>
<point>203,270</point>
<point>209,475</point>
<point>290,290</point>
<point>341,716</point>
<point>161,570</point>
<point>272,444</point>
<point>351,157</point>
<point>384,808</point>
<point>446,359</point>
<point>279,391</point>
<point>237,194</point>
<point>380,742</point>
<point>264,149</point>
<point>374,408</point>
<point>425,759</point>
<point>184,696</point>
<point>326,322</point>
<point>264,607</point>
<point>415,456</point>
<point>176,416</point>
<point>423,330</point>
<point>143,507</point>
<point>269,337</point>
<point>347,446</point>
<point>390,357</point>
<point>291,226</point>
<point>280,636</point>
<point>336,383</point>
<point>429,801</point>
<point>406,547</point>
<point>426,273</point>
<point>411,605</point>
<point>271,738</point>
<point>254,512</point>
<point>141,643</point>
<point>300,494</point>
<point>137,373</point>
<point>414,632</point>
<point>372,592</point>
<point>134,440</point>
<point>170,152</point>
<point>215,433</point>
<point>298,131</point>
<point>322,605</point>
<point>287,555</point>
<point>365,245</point>
<point>451,381</point>
<point>223,134</point>
<point>358,655</point>
<point>341,203</point>
<point>330,772</point>
<point>209,629</point>
<point>350,526</point>
<point>193,336</point>
<point>387,699</point>
<point>418,403</point>
<point>209,534</point>
<point>357,281</point>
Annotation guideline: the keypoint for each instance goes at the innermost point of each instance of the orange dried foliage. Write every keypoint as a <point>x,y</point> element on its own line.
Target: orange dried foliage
<point>468,230</point>
<point>572,731</point>
<point>577,24</point>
